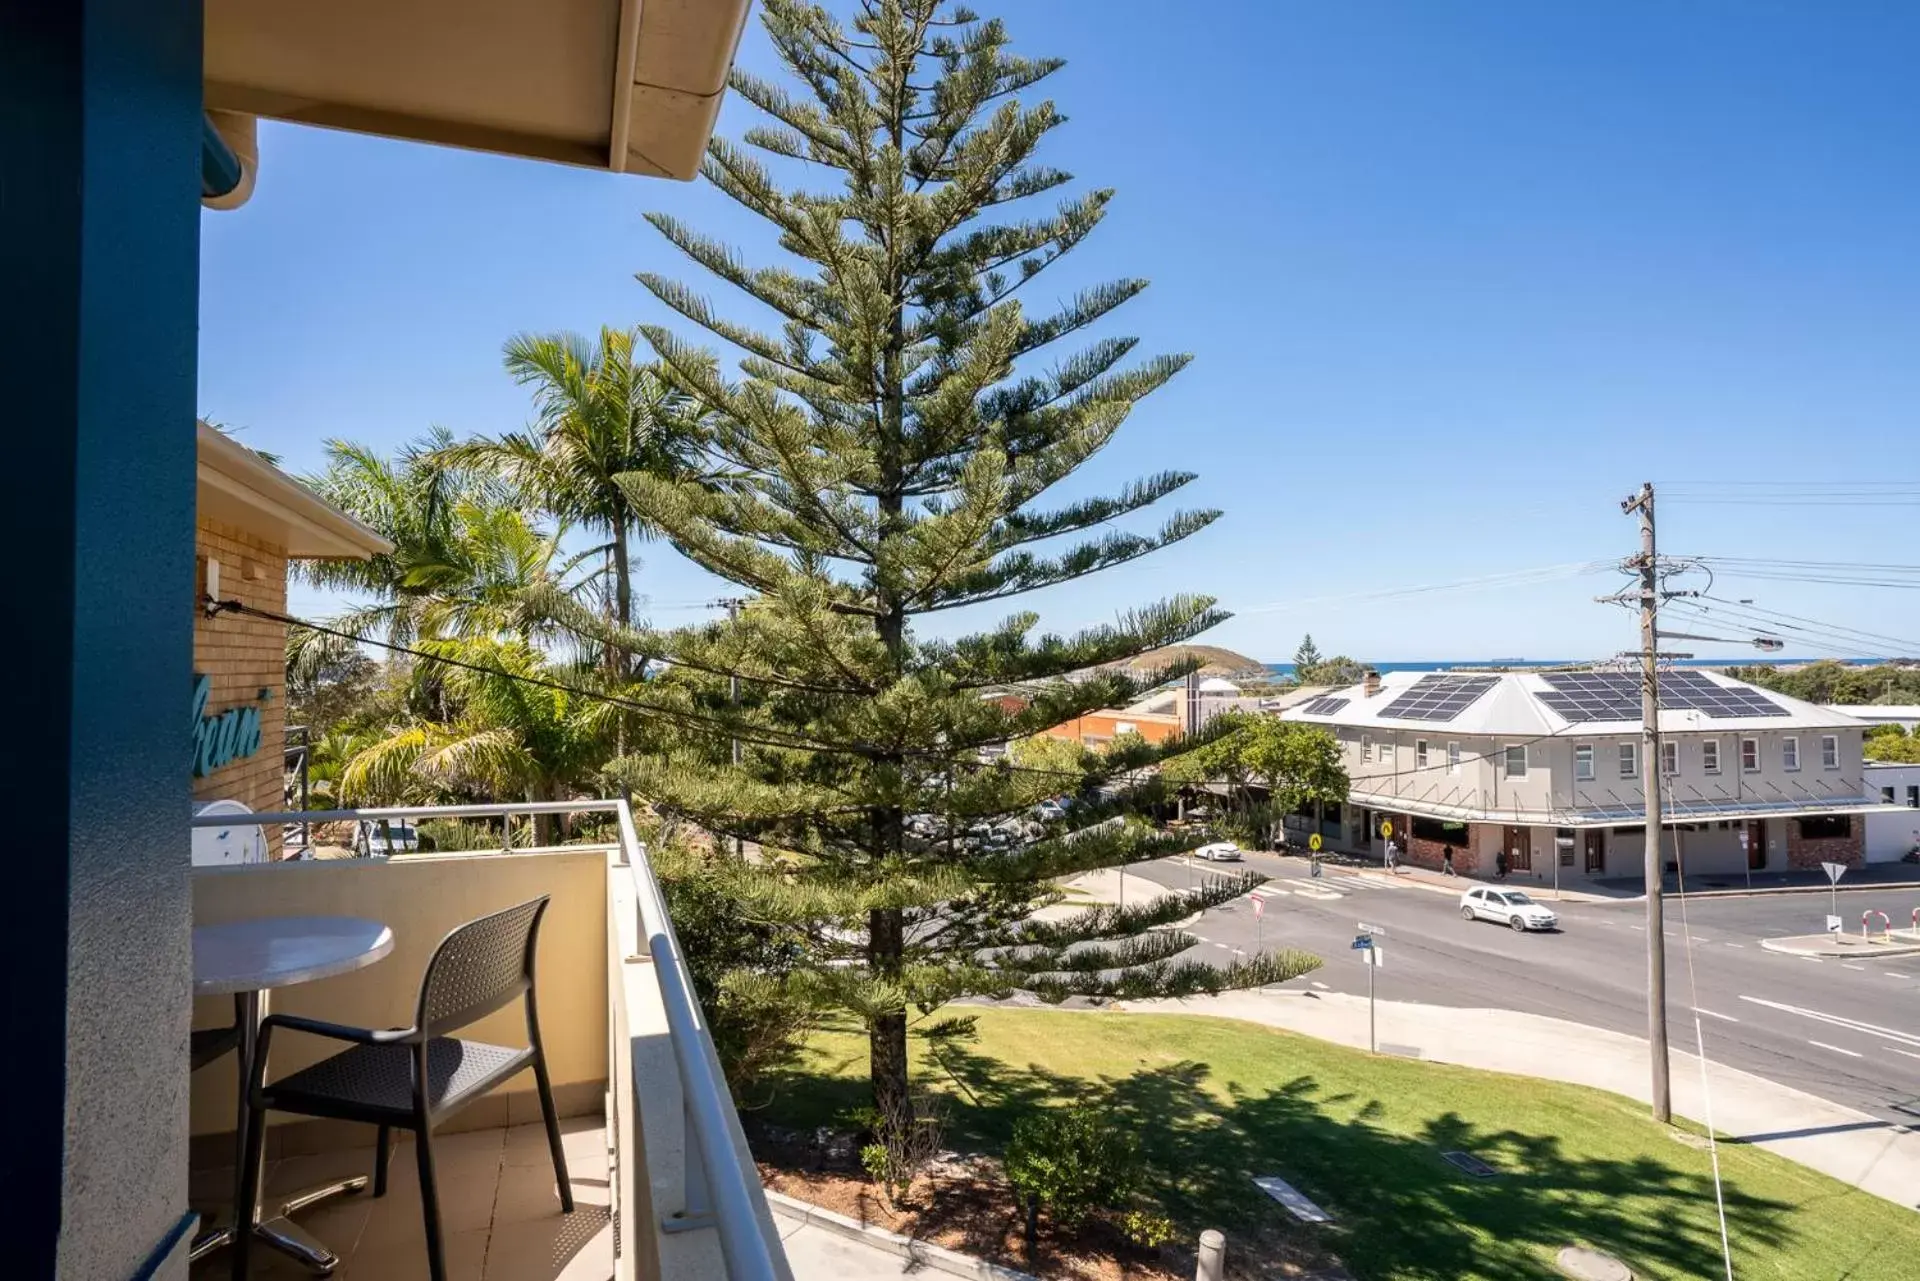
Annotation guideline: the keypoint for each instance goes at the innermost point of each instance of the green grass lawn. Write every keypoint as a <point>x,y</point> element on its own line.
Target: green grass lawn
<point>1216,1102</point>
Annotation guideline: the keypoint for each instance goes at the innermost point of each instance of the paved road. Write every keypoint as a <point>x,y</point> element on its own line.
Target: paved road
<point>1845,1031</point>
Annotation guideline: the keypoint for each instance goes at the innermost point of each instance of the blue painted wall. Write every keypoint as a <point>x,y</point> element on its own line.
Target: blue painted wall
<point>99,236</point>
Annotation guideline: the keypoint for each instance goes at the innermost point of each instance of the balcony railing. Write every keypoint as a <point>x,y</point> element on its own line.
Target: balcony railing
<point>686,1196</point>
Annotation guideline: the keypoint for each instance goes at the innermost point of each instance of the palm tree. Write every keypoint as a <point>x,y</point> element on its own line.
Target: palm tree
<point>504,735</point>
<point>464,553</point>
<point>598,414</point>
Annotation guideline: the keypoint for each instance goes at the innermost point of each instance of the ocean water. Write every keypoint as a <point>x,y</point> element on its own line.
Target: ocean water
<point>1442,665</point>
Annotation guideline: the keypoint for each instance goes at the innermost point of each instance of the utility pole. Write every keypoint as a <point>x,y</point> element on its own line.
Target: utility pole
<point>733,605</point>
<point>1649,566</point>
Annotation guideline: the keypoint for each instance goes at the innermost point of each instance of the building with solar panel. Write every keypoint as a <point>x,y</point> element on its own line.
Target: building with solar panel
<point>1547,767</point>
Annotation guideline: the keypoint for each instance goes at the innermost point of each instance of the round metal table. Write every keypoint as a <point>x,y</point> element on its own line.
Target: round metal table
<point>248,959</point>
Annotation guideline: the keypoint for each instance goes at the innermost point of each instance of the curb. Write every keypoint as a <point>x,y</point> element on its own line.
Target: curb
<point>1795,889</point>
<point>922,1254</point>
<point>1863,951</point>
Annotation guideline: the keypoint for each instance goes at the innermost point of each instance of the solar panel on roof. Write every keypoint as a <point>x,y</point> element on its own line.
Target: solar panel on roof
<point>1325,706</point>
<point>1615,696</point>
<point>1438,698</point>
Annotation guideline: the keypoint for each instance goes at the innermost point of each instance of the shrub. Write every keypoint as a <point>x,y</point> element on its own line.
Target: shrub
<point>901,1148</point>
<point>1068,1161</point>
<point>1147,1229</point>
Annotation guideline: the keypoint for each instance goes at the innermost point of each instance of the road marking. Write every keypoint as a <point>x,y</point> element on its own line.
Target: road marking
<point>1909,1053</point>
<point>1641,928</point>
<point>1852,1054</point>
<point>1736,945</point>
<point>1222,946</point>
<point>1814,959</point>
<point>1893,974</point>
<point>1270,893</point>
<point>1239,951</point>
<point>1322,986</point>
<point>1845,966</point>
<point>1714,1015</point>
<point>1835,1020</point>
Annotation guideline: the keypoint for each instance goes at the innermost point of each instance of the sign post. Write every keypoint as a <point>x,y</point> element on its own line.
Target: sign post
<point>1834,872</point>
<point>1746,851</point>
<point>1259,911</point>
<point>1386,834</point>
<point>1375,956</point>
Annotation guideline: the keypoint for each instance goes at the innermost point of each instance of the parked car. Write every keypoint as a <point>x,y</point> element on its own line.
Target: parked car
<point>1048,811</point>
<point>1509,907</point>
<point>1219,852</point>
<point>375,838</point>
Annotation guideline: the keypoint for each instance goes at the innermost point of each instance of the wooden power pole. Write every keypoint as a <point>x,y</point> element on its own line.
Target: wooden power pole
<point>1648,565</point>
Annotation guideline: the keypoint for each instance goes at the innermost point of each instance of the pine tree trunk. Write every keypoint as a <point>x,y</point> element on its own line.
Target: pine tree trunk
<point>887,1037</point>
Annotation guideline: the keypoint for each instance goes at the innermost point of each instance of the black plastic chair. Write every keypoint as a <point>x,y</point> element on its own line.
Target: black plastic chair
<point>210,1043</point>
<point>412,1078</point>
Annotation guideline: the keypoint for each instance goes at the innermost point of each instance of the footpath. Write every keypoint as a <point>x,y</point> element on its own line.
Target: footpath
<point>1851,1146</point>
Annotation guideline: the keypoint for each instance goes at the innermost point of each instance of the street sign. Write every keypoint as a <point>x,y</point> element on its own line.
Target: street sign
<point>1386,829</point>
<point>1375,956</point>
<point>1834,872</point>
<point>1363,944</point>
<point>1313,842</point>
<point>1833,925</point>
<point>1259,906</point>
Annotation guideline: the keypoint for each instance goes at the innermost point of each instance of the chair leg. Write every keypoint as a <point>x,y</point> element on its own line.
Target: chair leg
<point>380,1152</point>
<point>430,1204</point>
<point>253,1148</point>
<point>552,1118</point>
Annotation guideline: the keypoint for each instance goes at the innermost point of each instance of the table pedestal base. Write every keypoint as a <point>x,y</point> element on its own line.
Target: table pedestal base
<point>283,1234</point>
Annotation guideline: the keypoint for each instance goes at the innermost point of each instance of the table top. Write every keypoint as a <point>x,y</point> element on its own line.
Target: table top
<point>279,951</point>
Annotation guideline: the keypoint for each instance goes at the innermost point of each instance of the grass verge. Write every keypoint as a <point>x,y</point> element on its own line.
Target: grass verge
<point>1216,1102</point>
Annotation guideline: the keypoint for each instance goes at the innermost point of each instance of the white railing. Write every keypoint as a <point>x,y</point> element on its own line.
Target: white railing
<point>718,1187</point>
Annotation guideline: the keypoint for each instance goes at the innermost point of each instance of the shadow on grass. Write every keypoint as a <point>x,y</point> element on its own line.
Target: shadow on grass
<point>1401,1210</point>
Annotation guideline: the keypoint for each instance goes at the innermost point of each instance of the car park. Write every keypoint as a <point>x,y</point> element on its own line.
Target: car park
<point>1511,908</point>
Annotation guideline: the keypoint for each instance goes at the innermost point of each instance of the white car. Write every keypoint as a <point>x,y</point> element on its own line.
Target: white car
<point>1219,852</point>
<point>1509,907</point>
<point>375,838</point>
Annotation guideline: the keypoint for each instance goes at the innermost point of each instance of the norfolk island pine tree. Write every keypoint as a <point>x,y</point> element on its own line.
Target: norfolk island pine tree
<point>885,456</point>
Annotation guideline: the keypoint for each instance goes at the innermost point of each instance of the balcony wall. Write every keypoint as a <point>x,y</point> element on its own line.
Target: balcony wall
<point>421,898</point>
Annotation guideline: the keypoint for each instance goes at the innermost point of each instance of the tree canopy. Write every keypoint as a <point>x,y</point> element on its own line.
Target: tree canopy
<point>891,452</point>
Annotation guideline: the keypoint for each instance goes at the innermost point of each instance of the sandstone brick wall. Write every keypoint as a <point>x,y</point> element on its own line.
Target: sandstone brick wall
<point>1850,851</point>
<point>243,656</point>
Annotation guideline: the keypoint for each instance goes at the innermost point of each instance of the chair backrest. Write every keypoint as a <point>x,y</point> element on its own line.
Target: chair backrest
<point>480,967</point>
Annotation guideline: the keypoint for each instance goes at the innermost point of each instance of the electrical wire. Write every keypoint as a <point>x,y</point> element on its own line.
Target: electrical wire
<point>1750,607</point>
<point>1664,783</point>
<point>1837,645</point>
<point>1510,578</point>
<point>653,711</point>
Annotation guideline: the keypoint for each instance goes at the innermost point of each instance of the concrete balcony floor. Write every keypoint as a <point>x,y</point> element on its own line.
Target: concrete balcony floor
<point>499,1213</point>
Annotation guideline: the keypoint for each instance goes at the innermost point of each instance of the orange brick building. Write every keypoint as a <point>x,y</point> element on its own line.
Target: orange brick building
<point>251,518</point>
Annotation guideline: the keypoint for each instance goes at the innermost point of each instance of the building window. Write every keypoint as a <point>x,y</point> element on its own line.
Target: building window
<point>1710,755</point>
<point>1886,796</point>
<point>1125,727</point>
<point>1913,797</point>
<point>1826,827</point>
<point>1453,758</point>
<point>1790,753</point>
<point>1629,760</point>
<point>1384,749</point>
<point>1420,753</point>
<point>1517,761</point>
<point>1829,751</point>
<point>1669,758</point>
<point>1750,756</point>
<point>1583,762</point>
<point>1366,748</point>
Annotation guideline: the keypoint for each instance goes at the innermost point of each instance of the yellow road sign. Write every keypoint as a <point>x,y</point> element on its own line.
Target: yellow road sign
<point>1313,842</point>
<point>1386,830</point>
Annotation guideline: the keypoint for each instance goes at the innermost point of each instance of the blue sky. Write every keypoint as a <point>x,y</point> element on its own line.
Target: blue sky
<point>1457,277</point>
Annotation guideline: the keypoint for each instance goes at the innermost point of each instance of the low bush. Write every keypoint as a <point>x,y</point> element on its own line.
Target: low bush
<point>1069,1161</point>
